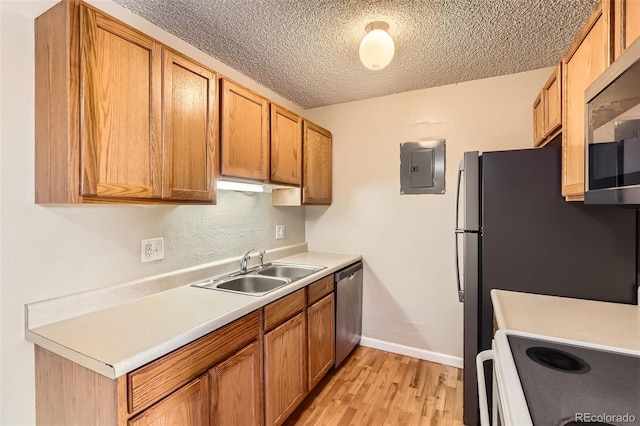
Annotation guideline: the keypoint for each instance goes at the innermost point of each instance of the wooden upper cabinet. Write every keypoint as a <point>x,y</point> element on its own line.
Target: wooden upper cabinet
<point>589,55</point>
<point>189,129</point>
<point>111,106</point>
<point>244,132</point>
<point>286,146</point>
<point>187,406</point>
<point>553,103</point>
<point>626,24</point>
<point>538,121</point>
<point>547,110</point>
<point>120,115</point>
<point>317,165</point>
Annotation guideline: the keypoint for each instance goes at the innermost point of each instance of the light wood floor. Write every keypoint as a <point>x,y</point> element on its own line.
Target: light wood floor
<point>380,388</point>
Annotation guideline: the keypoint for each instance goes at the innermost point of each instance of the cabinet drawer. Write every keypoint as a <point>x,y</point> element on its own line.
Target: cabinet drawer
<point>319,289</point>
<point>161,377</point>
<point>281,310</point>
<point>188,405</point>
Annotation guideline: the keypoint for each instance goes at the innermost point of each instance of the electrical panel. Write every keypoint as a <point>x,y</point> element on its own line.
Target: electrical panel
<point>422,167</point>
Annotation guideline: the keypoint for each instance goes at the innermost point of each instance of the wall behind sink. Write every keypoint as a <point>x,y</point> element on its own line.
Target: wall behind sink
<point>407,241</point>
<point>48,251</point>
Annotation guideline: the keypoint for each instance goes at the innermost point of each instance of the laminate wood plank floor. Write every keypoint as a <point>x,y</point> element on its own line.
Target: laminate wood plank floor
<point>374,387</point>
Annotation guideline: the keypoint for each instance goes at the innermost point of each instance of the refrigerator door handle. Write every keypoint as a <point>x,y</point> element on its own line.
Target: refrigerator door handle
<point>458,231</point>
<point>460,290</point>
<point>460,171</point>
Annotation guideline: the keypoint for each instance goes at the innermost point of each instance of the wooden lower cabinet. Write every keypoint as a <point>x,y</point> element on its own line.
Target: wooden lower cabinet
<point>321,339</point>
<point>284,372</point>
<point>187,406</point>
<point>253,371</point>
<point>236,389</point>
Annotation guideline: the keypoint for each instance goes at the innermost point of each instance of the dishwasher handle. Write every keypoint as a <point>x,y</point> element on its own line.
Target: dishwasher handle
<point>349,271</point>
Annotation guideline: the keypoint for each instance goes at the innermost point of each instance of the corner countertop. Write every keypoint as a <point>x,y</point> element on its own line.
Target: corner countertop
<point>610,324</point>
<point>119,339</point>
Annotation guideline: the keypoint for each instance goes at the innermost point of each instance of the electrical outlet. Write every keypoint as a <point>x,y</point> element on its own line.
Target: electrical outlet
<point>152,249</point>
<point>279,232</point>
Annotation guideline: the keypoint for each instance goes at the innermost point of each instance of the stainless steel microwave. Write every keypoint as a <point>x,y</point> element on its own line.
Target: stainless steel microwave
<point>612,125</point>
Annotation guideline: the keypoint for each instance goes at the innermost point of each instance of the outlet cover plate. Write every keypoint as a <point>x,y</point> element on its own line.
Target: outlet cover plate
<point>152,249</point>
<point>279,232</point>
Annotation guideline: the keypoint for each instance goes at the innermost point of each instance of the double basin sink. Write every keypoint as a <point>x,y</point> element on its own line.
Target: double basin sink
<point>261,280</point>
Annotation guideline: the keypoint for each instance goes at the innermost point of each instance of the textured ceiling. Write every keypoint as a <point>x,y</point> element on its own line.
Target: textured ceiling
<point>307,51</point>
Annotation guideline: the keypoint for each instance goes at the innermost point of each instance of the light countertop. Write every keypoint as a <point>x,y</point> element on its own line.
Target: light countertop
<point>119,339</point>
<point>610,324</point>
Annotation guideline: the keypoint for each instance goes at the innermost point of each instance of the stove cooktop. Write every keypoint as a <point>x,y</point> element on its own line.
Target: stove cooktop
<point>568,384</point>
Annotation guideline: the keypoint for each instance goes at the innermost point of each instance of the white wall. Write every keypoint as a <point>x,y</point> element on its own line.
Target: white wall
<point>49,251</point>
<point>407,241</point>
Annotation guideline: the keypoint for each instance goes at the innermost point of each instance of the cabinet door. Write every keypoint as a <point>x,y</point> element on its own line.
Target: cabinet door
<point>538,121</point>
<point>316,178</point>
<point>236,389</point>
<point>627,24</point>
<point>321,339</point>
<point>552,103</point>
<point>244,136</point>
<point>121,155</point>
<point>188,406</point>
<point>284,371</point>
<point>587,58</point>
<point>286,146</point>
<point>189,129</point>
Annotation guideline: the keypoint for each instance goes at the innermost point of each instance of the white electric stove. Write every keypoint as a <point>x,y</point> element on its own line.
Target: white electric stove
<point>541,380</point>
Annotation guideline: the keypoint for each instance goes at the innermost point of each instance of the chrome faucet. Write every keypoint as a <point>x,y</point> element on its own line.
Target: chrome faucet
<point>243,263</point>
<point>261,254</point>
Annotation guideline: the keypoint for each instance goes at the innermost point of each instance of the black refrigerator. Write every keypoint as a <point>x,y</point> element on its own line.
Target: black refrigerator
<point>518,233</point>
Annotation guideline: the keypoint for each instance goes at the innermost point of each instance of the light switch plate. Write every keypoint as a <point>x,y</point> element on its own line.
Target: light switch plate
<point>152,249</point>
<point>279,232</point>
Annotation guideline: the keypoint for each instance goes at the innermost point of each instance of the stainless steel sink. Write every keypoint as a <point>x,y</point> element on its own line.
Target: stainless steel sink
<point>253,285</point>
<point>260,280</point>
<point>286,270</point>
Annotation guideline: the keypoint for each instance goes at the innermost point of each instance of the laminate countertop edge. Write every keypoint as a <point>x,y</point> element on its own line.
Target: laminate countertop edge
<point>604,323</point>
<point>117,340</point>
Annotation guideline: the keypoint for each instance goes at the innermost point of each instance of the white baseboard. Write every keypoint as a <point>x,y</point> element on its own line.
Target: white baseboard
<point>453,361</point>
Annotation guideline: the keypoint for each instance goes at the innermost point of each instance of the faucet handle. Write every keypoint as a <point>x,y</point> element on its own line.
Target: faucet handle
<point>243,262</point>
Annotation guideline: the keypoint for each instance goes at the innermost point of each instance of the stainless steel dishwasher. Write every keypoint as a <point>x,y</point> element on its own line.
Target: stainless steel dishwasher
<point>348,288</point>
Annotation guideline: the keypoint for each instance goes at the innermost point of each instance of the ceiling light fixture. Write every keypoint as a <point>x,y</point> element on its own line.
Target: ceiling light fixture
<point>376,48</point>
